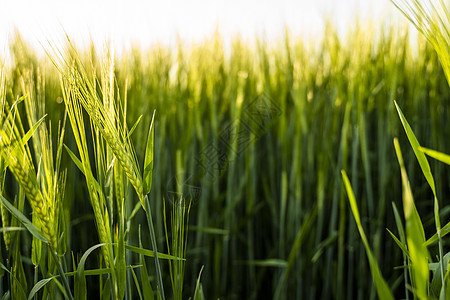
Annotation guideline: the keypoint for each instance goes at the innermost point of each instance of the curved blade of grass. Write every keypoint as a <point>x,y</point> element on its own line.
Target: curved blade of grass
<point>24,220</point>
<point>151,253</point>
<point>134,126</point>
<point>421,158</point>
<point>445,158</point>
<point>444,231</point>
<point>30,132</point>
<point>40,284</point>
<point>198,294</point>
<point>75,159</point>
<point>423,162</point>
<point>399,243</point>
<point>380,284</point>
<point>332,238</point>
<point>415,236</point>
<point>136,282</point>
<point>79,165</point>
<point>80,277</point>
<point>136,208</point>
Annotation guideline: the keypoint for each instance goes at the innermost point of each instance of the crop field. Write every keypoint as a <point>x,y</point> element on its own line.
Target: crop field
<point>214,172</point>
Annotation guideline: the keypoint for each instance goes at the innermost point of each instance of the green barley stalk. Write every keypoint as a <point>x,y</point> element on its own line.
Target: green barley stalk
<point>104,117</point>
<point>20,163</point>
<point>76,77</point>
<point>50,179</point>
<point>96,196</point>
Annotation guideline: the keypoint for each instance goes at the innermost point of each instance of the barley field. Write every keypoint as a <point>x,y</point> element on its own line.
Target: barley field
<point>214,172</point>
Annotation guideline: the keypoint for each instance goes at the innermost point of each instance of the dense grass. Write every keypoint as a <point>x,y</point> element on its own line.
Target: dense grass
<point>269,214</point>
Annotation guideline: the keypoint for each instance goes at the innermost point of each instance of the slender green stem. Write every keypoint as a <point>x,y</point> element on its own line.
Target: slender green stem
<point>61,272</point>
<point>148,212</point>
<point>438,231</point>
<point>441,261</point>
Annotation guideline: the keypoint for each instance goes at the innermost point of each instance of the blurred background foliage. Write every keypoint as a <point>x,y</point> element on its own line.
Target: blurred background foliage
<point>255,135</point>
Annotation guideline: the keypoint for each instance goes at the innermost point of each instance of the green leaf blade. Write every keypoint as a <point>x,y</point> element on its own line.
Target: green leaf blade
<point>415,236</point>
<point>148,162</point>
<point>380,284</point>
<point>421,158</point>
<point>24,220</point>
<point>445,158</point>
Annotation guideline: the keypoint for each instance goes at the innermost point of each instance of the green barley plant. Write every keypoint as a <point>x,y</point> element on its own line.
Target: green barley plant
<point>17,156</point>
<point>40,187</point>
<point>119,155</point>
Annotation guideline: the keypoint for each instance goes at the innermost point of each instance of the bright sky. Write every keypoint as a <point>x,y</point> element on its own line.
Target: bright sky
<point>149,21</point>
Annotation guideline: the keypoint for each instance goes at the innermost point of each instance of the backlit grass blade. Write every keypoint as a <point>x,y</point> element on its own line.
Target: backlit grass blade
<point>421,158</point>
<point>24,220</point>
<point>30,132</point>
<point>415,236</point>
<point>424,165</point>
<point>445,158</point>
<point>380,284</point>
<point>134,126</point>
<point>444,231</point>
<point>399,243</point>
<point>39,285</point>
<point>80,277</point>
